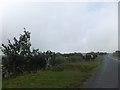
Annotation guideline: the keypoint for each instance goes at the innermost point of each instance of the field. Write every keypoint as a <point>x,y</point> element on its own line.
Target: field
<point>66,75</point>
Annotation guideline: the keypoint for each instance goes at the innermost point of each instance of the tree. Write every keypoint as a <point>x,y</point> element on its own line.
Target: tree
<point>59,59</point>
<point>17,53</point>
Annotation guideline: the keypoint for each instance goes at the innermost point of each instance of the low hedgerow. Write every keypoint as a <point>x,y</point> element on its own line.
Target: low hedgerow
<point>67,75</point>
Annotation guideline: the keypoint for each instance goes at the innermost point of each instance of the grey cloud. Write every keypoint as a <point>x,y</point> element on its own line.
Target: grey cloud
<point>64,27</point>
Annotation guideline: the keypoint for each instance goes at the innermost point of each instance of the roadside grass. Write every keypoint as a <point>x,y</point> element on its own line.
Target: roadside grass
<point>0,58</point>
<point>116,56</point>
<point>67,75</point>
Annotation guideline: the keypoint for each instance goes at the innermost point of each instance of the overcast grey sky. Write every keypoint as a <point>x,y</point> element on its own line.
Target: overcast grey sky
<point>63,27</point>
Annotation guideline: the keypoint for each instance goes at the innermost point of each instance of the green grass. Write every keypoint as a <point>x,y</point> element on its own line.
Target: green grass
<point>66,75</point>
<point>0,58</point>
<point>116,56</point>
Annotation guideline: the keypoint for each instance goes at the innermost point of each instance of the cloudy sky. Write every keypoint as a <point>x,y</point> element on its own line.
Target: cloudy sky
<point>63,27</point>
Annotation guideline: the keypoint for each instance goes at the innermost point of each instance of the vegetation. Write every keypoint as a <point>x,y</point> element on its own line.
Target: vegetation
<point>19,57</point>
<point>116,54</point>
<point>31,68</point>
<point>65,75</point>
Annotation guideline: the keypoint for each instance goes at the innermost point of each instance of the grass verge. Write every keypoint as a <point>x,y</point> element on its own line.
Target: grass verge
<point>67,75</point>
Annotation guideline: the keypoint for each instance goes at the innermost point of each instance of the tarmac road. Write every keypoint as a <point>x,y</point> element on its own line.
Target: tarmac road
<point>107,74</point>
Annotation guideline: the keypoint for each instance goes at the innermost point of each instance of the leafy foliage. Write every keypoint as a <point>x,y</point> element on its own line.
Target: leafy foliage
<point>19,57</point>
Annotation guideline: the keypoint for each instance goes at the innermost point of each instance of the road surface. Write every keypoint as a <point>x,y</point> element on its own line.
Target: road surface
<point>107,74</point>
